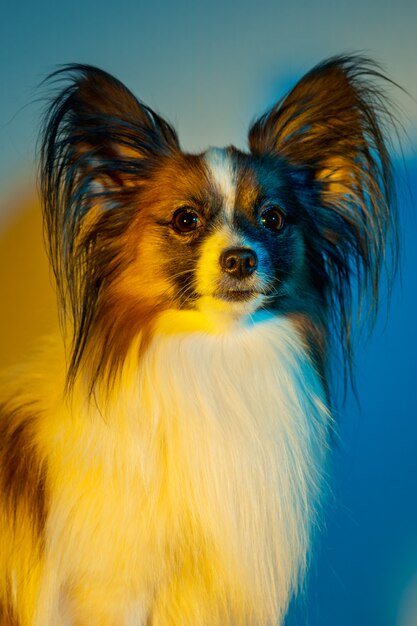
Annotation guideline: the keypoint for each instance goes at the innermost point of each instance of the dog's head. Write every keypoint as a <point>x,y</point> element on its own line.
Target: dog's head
<point>137,226</point>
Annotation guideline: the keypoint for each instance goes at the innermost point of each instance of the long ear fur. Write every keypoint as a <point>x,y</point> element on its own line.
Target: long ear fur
<point>332,124</point>
<point>99,144</point>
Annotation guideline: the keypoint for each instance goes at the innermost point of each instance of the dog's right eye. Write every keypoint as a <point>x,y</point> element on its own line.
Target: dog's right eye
<point>185,220</point>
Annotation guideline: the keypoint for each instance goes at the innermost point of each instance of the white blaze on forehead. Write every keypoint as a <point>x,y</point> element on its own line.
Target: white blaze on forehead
<point>223,175</point>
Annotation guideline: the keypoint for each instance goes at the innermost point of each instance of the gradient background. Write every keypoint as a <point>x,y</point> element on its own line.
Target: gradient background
<point>210,68</point>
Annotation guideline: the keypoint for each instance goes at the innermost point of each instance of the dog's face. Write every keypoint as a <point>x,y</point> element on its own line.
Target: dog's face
<point>221,232</point>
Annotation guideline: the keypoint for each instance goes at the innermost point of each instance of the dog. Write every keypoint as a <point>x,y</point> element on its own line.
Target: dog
<point>164,463</point>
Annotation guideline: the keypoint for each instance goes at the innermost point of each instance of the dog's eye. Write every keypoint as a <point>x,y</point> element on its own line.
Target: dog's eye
<point>273,218</point>
<point>185,220</point>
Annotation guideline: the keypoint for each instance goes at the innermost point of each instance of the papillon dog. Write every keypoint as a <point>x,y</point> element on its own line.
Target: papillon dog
<point>164,463</point>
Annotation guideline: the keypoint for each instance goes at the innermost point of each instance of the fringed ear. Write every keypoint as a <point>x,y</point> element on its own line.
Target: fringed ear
<point>332,123</point>
<point>98,146</point>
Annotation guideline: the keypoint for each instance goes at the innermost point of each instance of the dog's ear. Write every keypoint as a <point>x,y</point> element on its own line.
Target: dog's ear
<point>97,128</point>
<point>331,122</point>
<point>99,147</point>
<point>334,124</point>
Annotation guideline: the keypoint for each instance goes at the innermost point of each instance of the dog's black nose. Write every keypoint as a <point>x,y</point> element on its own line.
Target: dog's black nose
<point>239,262</point>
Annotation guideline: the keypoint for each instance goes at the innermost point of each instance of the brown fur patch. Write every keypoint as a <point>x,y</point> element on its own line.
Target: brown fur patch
<point>8,615</point>
<point>181,179</point>
<point>314,338</point>
<point>247,190</point>
<point>119,323</point>
<point>22,471</point>
<point>139,288</point>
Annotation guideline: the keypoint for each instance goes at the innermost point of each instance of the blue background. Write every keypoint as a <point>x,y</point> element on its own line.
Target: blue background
<point>210,68</point>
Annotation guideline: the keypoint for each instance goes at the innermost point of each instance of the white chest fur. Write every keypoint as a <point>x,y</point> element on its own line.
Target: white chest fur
<point>200,484</point>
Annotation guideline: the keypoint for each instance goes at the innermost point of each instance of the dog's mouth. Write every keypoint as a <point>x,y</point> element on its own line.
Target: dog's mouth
<point>235,295</point>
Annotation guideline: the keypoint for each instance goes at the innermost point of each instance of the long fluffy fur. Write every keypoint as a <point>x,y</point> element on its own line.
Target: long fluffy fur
<point>167,467</point>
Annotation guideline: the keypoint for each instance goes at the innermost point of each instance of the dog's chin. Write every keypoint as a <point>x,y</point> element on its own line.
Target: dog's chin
<point>231,303</point>
<point>213,313</point>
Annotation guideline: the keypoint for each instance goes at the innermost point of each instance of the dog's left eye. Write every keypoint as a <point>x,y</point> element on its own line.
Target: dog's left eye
<point>273,218</point>
<point>185,220</point>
